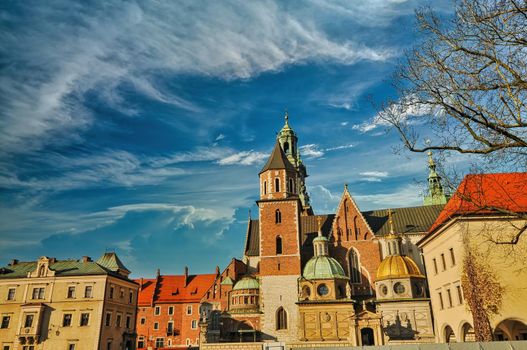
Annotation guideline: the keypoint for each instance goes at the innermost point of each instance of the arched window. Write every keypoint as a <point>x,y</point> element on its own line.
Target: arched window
<point>265,187</point>
<point>291,187</point>
<point>353,266</point>
<point>281,319</point>
<point>42,271</point>
<point>286,147</point>
<point>277,216</point>
<point>278,245</point>
<point>277,185</point>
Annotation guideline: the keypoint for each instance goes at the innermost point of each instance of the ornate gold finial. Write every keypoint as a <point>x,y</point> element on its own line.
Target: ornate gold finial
<point>346,186</point>
<point>319,221</point>
<point>430,159</point>
<point>390,221</point>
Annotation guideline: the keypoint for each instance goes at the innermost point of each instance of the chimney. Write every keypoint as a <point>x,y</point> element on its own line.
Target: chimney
<point>186,275</point>
<point>13,262</point>
<point>217,270</point>
<point>86,259</point>
<point>158,273</point>
<point>141,284</point>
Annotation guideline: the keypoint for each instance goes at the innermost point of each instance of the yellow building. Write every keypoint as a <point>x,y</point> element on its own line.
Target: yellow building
<point>483,218</point>
<point>67,304</point>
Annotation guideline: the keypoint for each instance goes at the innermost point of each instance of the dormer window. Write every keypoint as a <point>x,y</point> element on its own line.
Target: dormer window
<point>42,271</point>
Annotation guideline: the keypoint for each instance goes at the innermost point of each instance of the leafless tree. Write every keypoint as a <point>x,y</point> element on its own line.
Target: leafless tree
<point>465,84</point>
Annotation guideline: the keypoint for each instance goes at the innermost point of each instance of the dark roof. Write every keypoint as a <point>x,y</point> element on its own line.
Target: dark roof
<point>61,268</point>
<point>405,220</point>
<point>252,241</point>
<point>278,160</point>
<point>112,262</point>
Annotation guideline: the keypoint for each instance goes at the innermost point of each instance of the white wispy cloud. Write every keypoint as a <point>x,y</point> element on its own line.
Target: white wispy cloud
<point>244,158</point>
<point>344,123</point>
<point>404,110</point>
<point>373,176</point>
<point>126,44</point>
<point>315,151</point>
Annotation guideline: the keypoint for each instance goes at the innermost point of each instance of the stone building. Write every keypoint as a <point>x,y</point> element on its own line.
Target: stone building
<point>288,245</point>
<point>168,309</point>
<point>477,226</point>
<point>67,304</point>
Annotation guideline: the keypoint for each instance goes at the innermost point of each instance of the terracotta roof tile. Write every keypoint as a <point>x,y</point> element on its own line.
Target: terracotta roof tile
<point>172,289</point>
<point>486,194</point>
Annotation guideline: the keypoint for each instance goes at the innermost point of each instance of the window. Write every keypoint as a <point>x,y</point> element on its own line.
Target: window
<point>128,321</point>
<point>71,292</point>
<point>131,297</point>
<point>459,295</point>
<point>85,319</point>
<point>452,257</point>
<point>6,347</point>
<point>286,147</point>
<point>5,322</point>
<point>28,347</point>
<point>38,293</point>
<point>28,322</point>
<point>449,295</point>
<point>11,294</point>
<point>281,319</point>
<point>118,320</point>
<point>108,320</point>
<point>189,310</point>
<point>88,291</point>
<point>187,341</point>
<point>291,187</point>
<point>71,346</point>
<point>277,185</point>
<point>160,342</point>
<point>442,306</point>
<point>194,324</point>
<point>109,345</point>
<point>121,295</point>
<point>170,327</point>
<point>157,310</point>
<point>140,343</point>
<point>66,320</point>
<point>353,266</point>
<point>277,216</point>
<point>278,245</point>
<point>443,261</point>
<point>156,326</point>
<point>435,265</point>
<point>143,320</point>
<point>170,310</point>
<point>111,292</point>
<point>265,187</point>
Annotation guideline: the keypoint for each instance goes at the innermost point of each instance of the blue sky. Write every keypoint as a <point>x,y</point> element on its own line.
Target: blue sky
<point>141,127</point>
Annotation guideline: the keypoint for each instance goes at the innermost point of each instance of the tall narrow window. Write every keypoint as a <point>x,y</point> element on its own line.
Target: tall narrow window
<point>291,187</point>
<point>459,295</point>
<point>265,187</point>
<point>353,266</point>
<point>277,216</point>
<point>452,257</point>
<point>449,295</point>
<point>88,291</point>
<point>441,301</point>
<point>281,319</point>
<point>286,147</point>
<point>278,245</point>
<point>277,185</point>
<point>443,261</point>
<point>435,265</point>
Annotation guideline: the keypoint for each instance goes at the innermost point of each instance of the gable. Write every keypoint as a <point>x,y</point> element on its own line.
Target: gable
<point>349,223</point>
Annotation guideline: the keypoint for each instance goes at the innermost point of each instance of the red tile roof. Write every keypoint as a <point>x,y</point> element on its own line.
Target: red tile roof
<point>486,194</point>
<point>172,289</point>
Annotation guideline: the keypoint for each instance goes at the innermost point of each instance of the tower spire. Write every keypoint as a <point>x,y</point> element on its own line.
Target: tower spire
<point>320,243</point>
<point>436,194</point>
<point>393,240</point>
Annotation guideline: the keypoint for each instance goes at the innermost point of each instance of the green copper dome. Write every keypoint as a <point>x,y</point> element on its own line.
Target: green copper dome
<point>246,283</point>
<point>323,267</point>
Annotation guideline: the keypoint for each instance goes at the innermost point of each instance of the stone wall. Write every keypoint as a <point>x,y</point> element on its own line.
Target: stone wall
<point>232,346</point>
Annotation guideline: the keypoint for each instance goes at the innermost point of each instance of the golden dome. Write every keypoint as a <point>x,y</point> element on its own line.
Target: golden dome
<point>398,266</point>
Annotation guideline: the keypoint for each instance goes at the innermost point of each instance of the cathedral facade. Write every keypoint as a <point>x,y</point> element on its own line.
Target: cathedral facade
<point>351,276</point>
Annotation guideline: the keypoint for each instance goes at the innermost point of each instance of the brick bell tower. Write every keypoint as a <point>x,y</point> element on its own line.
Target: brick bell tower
<point>280,207</point>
